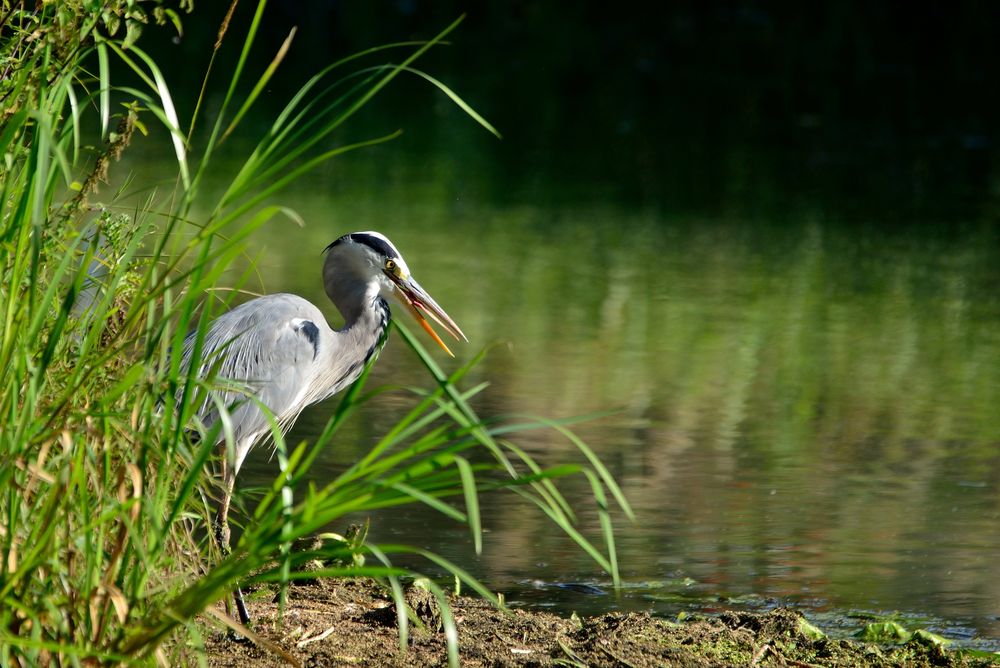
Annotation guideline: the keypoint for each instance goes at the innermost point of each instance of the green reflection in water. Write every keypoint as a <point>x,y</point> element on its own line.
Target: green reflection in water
<point>807,410</point>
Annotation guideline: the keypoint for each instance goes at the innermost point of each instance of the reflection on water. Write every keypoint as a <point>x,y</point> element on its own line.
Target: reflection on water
<point>806,413</point>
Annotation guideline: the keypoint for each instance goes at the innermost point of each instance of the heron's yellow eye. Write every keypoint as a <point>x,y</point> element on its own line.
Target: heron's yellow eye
<point>390,265</point>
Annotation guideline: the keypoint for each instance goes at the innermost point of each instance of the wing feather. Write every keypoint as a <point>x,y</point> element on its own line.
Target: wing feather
<point>269,348</point>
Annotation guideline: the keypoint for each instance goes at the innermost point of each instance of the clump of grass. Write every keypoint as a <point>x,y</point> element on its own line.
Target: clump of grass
<point>105,495</point>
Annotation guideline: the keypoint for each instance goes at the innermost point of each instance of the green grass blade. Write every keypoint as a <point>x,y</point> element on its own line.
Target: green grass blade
<point>607,530</point>
<point>260,85</point>
<point>598,466</point>
<point>427,499</point>
<point>471,501</point>
<point>402,619</point>
<point>459,102</point>
<point>159,85</point>
<point>104,83</point>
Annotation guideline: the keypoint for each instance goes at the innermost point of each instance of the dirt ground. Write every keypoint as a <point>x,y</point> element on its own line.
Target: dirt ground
<point>353,623</point>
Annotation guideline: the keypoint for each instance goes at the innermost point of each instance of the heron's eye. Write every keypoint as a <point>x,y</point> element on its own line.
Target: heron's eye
<point>390,265</point>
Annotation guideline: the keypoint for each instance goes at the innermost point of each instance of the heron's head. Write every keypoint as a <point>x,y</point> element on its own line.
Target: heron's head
<point>357,262</point>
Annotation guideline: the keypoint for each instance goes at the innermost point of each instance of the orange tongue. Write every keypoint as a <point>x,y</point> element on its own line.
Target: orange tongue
<point>411,306</point>
<point>430,330</point>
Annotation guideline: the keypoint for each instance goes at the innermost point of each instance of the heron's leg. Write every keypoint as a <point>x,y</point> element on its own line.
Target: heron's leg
<point>241,607</point>
<point>222,519</point>
<point>222,535</point>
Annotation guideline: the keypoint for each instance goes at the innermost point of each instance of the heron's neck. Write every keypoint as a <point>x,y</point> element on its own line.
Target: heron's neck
<point>366,313</point>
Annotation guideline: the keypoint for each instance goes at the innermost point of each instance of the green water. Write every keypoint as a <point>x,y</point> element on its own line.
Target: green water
<point>806,412</point>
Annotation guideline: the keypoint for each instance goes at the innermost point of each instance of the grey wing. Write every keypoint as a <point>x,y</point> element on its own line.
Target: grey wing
<point>268,348</point>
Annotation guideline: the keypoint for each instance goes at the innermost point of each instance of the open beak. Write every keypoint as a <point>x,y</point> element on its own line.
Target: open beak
<point>418,302</point>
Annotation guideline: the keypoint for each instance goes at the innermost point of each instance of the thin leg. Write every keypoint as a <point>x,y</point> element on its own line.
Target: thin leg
<point>241,607</point>
<point>222,537</point>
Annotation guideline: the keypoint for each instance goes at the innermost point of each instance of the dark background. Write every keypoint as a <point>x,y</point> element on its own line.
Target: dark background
<point>864,111</point>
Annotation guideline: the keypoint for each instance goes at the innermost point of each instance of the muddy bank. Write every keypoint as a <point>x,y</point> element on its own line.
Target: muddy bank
<point>353,623</point>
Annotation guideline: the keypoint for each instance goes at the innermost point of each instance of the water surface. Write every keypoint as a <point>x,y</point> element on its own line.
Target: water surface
<point>806,412</point>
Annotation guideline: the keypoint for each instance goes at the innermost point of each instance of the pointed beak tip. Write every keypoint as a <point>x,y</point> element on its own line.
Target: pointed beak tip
<point>418,302</point>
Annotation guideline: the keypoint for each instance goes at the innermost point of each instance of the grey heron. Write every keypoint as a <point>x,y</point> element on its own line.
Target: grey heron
<point>282,350</point>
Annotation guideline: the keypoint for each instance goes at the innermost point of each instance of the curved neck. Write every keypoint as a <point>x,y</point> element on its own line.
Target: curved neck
<point>366,314</point>
<point>356,300</point>
<point>356,344</point>
<point>354,288</point>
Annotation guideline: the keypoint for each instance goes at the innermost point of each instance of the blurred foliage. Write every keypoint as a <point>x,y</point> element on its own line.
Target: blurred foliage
<point>704,108</point>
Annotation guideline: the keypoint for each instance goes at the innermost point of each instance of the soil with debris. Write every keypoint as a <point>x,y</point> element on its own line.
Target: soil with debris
<point>329,622</point>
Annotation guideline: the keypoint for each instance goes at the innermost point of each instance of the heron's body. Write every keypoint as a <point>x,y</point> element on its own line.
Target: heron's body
<point>281,350</point>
